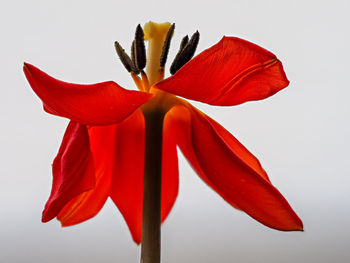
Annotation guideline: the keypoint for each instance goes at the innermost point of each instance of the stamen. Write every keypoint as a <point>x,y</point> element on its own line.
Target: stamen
<point>145,82</point>
<point>184,42</point>
<point>185,54</point>
<point>191,47</point>
<point>166,46</point>
<point>137,81</point>
<point>175,63</point>
<point>140,50</point>
<point>137,71</point>
<point>124,58</point>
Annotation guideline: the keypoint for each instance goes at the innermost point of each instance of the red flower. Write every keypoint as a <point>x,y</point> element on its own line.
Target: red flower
<point>103,150</point>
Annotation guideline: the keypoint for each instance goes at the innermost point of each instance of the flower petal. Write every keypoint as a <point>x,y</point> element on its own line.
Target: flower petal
<point>179,124</point>
<point>127,181</point>
<point>239,178</point>
<point>95,104</point>
<point>73,170</point>
<point>88,204</point>
<point>231,72</point>
<point>170,170</point>
<point>237,148</point>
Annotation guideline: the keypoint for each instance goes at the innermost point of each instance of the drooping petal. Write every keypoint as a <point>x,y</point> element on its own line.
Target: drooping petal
<point>231,72</point>
<point>88,204</point>
<point>227,167</point>
<point>127,181</point>
<point>179,124</point>
<point>73,170</point>
<point>170,170</point>
<point>237,147</point>
<point>95,104</point>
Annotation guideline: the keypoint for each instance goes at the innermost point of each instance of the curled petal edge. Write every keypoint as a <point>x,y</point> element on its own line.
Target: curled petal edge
<point>229,73</point>
<point>93,104</point>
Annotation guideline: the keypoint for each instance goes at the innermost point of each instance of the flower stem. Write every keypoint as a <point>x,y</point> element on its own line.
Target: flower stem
<point>150,244</point>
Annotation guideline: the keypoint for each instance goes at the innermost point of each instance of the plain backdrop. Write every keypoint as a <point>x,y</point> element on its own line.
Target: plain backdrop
<point>301,135</point>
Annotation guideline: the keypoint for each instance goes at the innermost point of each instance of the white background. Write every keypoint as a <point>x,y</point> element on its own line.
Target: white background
<point>301,135</point>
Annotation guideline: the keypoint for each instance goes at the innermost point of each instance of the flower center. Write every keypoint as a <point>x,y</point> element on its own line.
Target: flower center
<point>159,38</point>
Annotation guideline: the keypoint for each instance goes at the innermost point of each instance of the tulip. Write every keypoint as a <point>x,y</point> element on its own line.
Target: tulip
<point>122,144</point>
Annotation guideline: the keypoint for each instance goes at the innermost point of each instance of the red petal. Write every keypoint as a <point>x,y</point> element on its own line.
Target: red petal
<point>73,170</point>
<point>170,170</point>
<point>88,204</point>
<point>94,104</point>
<point>239,178</point>
<point>229,73</point>
<point>237,148</point>
<point>179,125</point>
<point>127,182</point>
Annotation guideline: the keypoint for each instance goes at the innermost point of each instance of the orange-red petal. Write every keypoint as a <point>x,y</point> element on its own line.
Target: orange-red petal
<point>231,72</point>
<point>73,170</point>
<point>227,167</point>
<point>170,170</point>
<point>95,104</point>
<point>89,203</point>
<point>127,181</point>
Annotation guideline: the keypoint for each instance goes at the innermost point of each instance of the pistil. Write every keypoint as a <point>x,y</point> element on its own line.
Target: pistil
<point>155,34</point>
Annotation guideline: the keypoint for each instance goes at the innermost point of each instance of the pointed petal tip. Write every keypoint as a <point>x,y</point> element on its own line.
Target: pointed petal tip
<point>45,217</point>
<point>300,227</point>
<point>137,241</point>
<point>296,228</point>
<point>63,224</point>
<point>66,223</point>
<point>26,67</point>
<point>295,225</point>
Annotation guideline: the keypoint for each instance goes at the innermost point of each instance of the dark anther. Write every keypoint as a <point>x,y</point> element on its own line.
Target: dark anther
<point>140,50</point>
<point>185,54</point>
<point>125,59</point>
<point>133,53</point>
<point>184,42</point>
<point>175,65</point>
<point>191,47</point>
<point>133,59</point>
<point>166,45</point>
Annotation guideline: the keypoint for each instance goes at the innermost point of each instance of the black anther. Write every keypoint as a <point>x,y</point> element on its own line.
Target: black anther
<point>125,59</point>
<point>184,42</point>
<point>166,45</point>
<point>185,54</point>
<point>140,50</point>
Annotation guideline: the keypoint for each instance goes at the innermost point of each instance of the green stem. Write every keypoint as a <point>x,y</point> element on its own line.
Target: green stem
<point>150,244</point>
